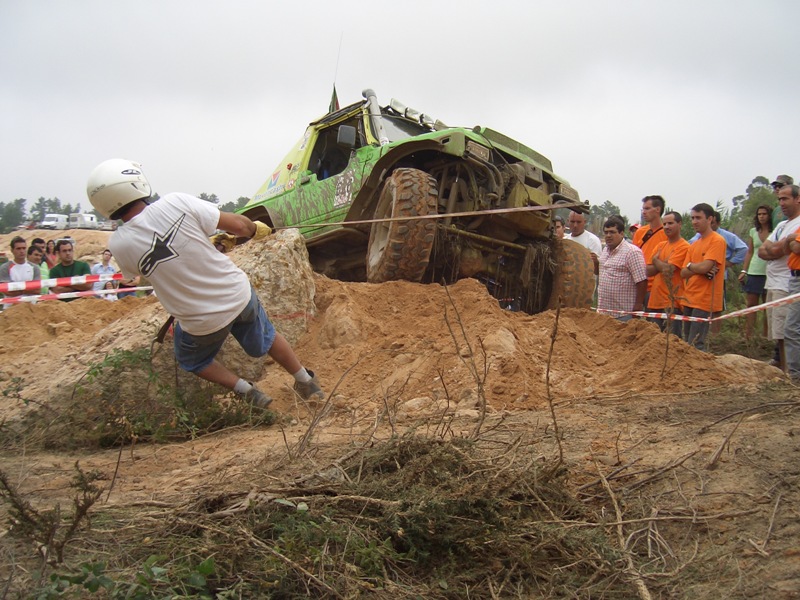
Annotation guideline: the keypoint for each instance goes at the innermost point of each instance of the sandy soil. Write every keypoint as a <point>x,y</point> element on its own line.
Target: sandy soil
<point>627,404</point>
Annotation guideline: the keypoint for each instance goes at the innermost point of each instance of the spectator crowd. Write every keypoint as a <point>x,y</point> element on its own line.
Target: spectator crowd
<point>54,260</point>
<point>659,272</point>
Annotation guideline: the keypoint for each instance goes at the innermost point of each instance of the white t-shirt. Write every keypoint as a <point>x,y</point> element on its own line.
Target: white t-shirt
<point>778,273</point>
<point>168,244</point>
<point>589,241</point>
<point>20,272</point>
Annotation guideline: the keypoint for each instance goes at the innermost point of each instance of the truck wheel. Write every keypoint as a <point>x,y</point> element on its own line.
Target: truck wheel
<point>574,278</point>
<point>400,250</point>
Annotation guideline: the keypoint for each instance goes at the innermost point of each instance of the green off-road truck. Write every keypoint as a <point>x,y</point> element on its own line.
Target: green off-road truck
<point>358,171</point>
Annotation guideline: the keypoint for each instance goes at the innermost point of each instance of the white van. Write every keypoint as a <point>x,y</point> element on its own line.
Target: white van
<point>52,221</point>
<point>82,221</point>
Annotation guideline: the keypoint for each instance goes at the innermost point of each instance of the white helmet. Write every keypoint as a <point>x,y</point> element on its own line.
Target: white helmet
<point>115,183</point>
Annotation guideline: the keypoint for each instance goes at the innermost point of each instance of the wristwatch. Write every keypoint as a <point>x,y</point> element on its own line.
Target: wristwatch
<point>689,267</point>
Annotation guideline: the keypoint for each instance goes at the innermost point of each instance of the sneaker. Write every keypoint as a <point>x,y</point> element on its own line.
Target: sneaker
<point>256,398</point>
<point>309,388</point>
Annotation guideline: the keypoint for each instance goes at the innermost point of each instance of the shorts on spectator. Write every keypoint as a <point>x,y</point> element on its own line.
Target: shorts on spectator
<point>776,317</point>
<point>754,284</point>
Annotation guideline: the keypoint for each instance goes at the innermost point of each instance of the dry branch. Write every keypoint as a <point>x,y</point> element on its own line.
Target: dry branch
<point>641,588</point>
<point>705,428</point>
<point>671,465</point>
<point>553,336</point>
<point>713,462</point>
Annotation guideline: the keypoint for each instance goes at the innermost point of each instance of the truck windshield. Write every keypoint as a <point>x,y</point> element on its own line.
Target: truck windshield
<point>399,128</point>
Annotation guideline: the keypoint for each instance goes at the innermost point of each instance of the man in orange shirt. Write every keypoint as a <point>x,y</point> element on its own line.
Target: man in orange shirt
<point>791,328</point>
<point>703,275</point>
<point>648,236</point>
<point>666,294</point>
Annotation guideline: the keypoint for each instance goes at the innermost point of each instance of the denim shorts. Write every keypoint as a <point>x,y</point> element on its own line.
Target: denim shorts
<point>252,329</point>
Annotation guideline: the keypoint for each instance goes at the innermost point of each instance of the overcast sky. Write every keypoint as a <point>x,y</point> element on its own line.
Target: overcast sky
<point>687,99</point>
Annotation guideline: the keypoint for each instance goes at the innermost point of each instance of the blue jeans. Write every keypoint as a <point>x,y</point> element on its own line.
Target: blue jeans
<point>791,332</point>
<point>252,329</point>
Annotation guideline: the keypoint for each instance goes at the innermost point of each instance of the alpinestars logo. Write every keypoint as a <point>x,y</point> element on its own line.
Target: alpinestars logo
<point>161,249</point>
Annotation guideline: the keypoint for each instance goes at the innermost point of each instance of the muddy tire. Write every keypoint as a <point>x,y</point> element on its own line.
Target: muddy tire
<point>400,250</point>
<point>574,278</point>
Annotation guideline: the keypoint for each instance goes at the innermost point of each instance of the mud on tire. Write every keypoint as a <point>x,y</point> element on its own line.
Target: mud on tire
<point>400,250</point>
<point>574,278</point>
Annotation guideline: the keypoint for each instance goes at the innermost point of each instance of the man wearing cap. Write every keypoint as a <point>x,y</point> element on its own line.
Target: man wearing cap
<point>791,329</point>
<point>774,251</point>
<point>650,235</point>
<point>777,213</point>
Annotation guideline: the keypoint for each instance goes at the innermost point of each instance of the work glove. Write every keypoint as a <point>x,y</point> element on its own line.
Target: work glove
<point>262,231</point>
<point>224,242</point>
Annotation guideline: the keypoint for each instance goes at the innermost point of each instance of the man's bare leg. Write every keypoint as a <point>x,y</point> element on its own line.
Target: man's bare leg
<point>216,372</point>
<point>281,351</point>
<point>284,355</point>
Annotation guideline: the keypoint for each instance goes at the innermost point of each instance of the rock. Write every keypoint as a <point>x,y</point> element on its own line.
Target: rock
<point>279,271</point>
<point>416,405</point>
<point>341,327</point>
<point>56,329</point>
<point>761,371</point>
<point>501,341</point>
<point>468,398</point>
<point>469,414</point>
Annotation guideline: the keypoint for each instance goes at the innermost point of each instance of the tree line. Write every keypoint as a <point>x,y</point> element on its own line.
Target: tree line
<point>16,213</point>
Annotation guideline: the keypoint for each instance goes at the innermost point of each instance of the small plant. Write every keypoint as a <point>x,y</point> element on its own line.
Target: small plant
<point>13,390</point>
<point>129,397</point>
<point>47,529</point>
<point>152,581</point>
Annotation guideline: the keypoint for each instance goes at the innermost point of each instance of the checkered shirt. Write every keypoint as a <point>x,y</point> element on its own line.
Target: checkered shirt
<point>620,270</point>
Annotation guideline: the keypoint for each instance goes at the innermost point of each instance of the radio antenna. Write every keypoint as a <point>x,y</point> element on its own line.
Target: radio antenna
<point>338,54</point>
<point>334,105</point>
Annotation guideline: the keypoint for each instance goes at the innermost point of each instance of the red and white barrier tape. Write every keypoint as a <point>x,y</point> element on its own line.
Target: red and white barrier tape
<point>737,313</point>
<point>27,286</point>
<point>85,294</point>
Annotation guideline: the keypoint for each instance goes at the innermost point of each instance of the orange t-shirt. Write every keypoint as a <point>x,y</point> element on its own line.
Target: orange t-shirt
<point>649,247</point>
<point>675,254</point>
<point>794,259</point>
<point>700,291</point>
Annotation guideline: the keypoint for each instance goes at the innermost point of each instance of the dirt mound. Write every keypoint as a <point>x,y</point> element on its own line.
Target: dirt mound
<point>420,347</point>
<point>427,347</point>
